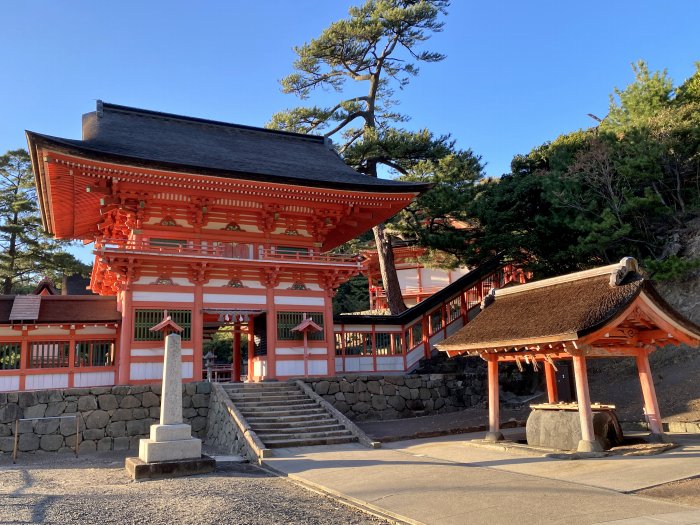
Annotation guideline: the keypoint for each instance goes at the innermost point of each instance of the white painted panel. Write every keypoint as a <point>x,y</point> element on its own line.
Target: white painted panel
<point>156,352</point>
<point>93,379</point>
<point>9,383</point>
<point>289,368</point>
<point>408,278</point>
<point>339,364</point>
<point>53,330</point>
<point>454,326</point>
<point>289,351</point>
<point>318,368</point>
<point>260,368</point>
<point>187,370</point>
<point>216,283</point>
<point>352,364</point>
<point>141,371</point>
<point>42,381</point>
<point>96,330</point>
<point>218,298</point>
<point>299,301</point>
<point>318,351</point>
<point>434,278</point>
<point>390,363</point>
<point>7,331</point>
<point>358,328</point>
<point>382,328</point>
<point>414,356</point>
<point>436,338</point>
<point>173,297</point>
<point>366,364</point>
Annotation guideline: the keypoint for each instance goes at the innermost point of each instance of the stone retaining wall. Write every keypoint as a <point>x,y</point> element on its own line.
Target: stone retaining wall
<point>222,430</point>
<point>111,418</point>
<point>363,398</point>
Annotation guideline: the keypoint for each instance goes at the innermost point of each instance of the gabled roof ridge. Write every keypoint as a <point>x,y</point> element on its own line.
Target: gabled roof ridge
<point>617,272</point>
<point>102,106</point>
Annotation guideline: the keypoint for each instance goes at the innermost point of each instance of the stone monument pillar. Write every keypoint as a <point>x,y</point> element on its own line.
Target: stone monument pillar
<point>171,439</point>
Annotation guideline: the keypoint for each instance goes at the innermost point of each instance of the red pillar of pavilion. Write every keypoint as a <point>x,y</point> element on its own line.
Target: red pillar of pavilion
<point>494,433</point>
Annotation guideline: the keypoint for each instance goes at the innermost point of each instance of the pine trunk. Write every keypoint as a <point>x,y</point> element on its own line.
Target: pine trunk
<point>390,280</point>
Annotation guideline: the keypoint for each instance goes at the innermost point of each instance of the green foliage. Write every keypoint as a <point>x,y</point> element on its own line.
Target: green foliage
<point>221,343</point>
<point>26,251</point>
<point>671,268</point>
<point>352,296</point>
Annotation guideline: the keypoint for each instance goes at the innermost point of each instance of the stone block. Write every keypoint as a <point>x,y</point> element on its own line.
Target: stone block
<point>378,402</point>
<point>138,427</point>
<point>170,432</point>
<point>333,387</point>
<point>404,392</point>
<point>341,406</point>
<point>68,426</point>
<point>351,398</point>
<point>140,413</point>
<point>87,446</point>
<point>47,426</point>
<point>104,444</point>
<point>116,429</point>
<point>97,419</point>
<point>87,403</point>
<point>413,382</point>
<point>360,386</point>
<point>374,387</point>
<point>415,393</point>
<point>7,444</point>
<point>42,396</point>
<point>13,397</point>
<point>152,451</point>
<point>424,394</point>
<point>28,442</point>
<point>189,413</point>
<point>186,401</point>
<point>190,389</point>
<point>51,443</point>
<point>154,412</point>
<point>123,414</point>
<point>157,389</point>
<point>203,387</point>
<point>27,399</point>
<point>94,433</point>
<point>56,408</point>
<point>388,389</point>
<point>129,402</point>
<point>346,387</point>
<point>198,423</point>
<point>361,407</point>
<point>364,396</point>
<point>71,407</point>
<point>322,387</point>
<point>204,411</point>
<point>5,430</point>
<point>120,443</point>
<point>149,399</point>
<point>561,429</point>
<point>397,402</point>
<point>200,400</point>
<point>121,390</point>
<point>107,402</point>
<point>339,396</point>
<point>10,412</point>
<point>138,469</point>
<point>35,411</point>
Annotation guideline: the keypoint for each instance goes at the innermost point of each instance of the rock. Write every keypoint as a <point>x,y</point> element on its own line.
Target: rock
<point>198,423</point>
<point>188,413</point>
<point>404,392</point>
<point>413,382</point>
<point>140,413</point>
<point>138,427</point>
<point>374,387</point>
<point>10,412</point>
<point>123,414</point>
<point>415,393</point>
<point>561,429</point>
<point>5,431</point>
<point>116,429</point>
<point>389,389</point>
<point>333,387</point>
<point>87,446</point>
<point>190,389</point>
<point>361,407</point>
<point>94,433</point>
<point>397,402</point>
<point>150,400</point>
<point>99,390</point>
<point>87,403</point>
<point>394,380</point>
<point>346,387</point>
<point>424,394</point>
<point>121,443</point>
<point>342,406</point>
<point>97,419</point>
<point>107,402</point>
<point>28,442</point>
<point>51,443</point>
<point>104,444</point>
<point>200,400</point>
<point>68,427</point>
<point>55,408</point>
<point>35,411</point>
<point>129,402</point>
<point>47,426</point>
<point>339,396</point>
<point>351,397</point>
<point>322,387</point>
<point>27,399</point>
<point>7,444</point>
<point>378,402</point>
<point>203,387</point>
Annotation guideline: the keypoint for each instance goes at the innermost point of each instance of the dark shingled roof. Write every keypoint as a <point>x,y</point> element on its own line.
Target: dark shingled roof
<point>568,310</point>
<point>178,143</point>
<point>67,309</point>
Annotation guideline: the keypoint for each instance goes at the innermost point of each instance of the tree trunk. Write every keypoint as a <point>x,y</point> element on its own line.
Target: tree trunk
<point>390,280</point>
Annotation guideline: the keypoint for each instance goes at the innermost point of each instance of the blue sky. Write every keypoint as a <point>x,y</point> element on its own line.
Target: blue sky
<point>516,74</point>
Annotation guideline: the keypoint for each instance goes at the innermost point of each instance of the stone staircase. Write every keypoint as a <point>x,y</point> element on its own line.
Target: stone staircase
<point>282,415</point>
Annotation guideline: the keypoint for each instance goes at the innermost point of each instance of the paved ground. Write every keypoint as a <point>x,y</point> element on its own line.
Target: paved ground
<point>444,481</point>
<point>94,489</point>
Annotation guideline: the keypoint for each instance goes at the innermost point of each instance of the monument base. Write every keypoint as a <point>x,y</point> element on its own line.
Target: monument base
<point>151,451</point>
<point>139,469</point>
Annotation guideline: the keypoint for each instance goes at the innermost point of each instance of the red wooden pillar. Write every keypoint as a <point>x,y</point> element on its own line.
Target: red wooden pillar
<point>588,442</point>
<point>236,365</point>
<point>494,433</point>
<point>426,336</point>
<point>271,334</point>
<point>125,336</point>
<point>551,379</point>
<point>251,349</point>
<point>651,405</point>
<point>197,331</point>
<point>71,357</point>
<point>330,333</point>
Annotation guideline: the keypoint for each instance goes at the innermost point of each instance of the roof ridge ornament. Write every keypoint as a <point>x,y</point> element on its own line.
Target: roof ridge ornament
<point>627,265</point>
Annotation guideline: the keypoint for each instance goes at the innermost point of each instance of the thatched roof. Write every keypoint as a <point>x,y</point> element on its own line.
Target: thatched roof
<point>565,308</point>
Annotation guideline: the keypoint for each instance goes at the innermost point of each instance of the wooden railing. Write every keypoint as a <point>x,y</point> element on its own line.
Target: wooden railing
<point>226,251</point>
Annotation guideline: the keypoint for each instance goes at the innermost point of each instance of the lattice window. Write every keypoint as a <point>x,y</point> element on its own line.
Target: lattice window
<point>288,320</point>
<point>436,321</point>
<point>416,334</point>
<point>338,344</point>
<point>358,343</point>
<point>49,354</point>
<point>382,343</point>
<point>147,318</point>
<point>94,353</point>
<point>454,309</point>
<point>10,354</point>
<point>398,344</point>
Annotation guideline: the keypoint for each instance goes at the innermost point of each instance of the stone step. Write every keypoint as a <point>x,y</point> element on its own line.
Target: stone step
<point>276,405</point>
<point>273,403</point>
<point>254,420</point>
<point>257,387</point>
<point>303,435</point>
<point>284,443</point>
<point>330,427</point>
<point>281,413</point>
<point>267,397</point>
<point>326,423</point>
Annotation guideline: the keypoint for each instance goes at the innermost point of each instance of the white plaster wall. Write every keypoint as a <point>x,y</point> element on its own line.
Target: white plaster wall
<point>339,364</point>
<point>93,379</point>
<point>9,383</point>
<point>156,352</point>
<point>7,331</point>
<point>96,330</point>
<point>260,368</point>
<point>433,277</point>
<point>289,368</point>
<point>408,278</point>
<point>53,330</point>
<point>299,301</point>
<point>318,368</point>
<point>172,297</point>
<point>359,364</point>
<point>389,363</point>
<point>43,381</point>
<point>218,298</point>
<point>436,338</point>
<point>414,356</point>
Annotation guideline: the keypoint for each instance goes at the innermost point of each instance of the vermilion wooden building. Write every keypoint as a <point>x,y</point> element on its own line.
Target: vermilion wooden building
<point>217,224</point>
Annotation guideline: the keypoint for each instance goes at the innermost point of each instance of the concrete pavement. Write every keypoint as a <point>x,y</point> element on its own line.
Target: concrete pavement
<point>444,481</point>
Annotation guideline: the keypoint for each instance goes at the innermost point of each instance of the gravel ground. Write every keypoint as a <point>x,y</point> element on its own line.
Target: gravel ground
<point>95,489</point>
<point>686,491</point>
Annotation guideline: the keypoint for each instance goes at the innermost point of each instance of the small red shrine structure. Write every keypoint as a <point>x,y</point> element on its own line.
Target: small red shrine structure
<point>606,312</point>
<point>211,221</point>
